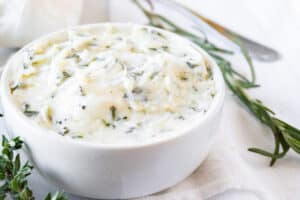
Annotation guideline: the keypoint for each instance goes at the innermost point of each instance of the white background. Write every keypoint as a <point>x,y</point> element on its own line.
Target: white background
<point>275,23</point>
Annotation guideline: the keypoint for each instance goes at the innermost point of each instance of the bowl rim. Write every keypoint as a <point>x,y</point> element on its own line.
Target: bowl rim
<point>214,107</point>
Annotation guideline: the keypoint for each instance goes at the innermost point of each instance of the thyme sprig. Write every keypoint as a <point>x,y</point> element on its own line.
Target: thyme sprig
<point>286,137</point>
<point>13,175</point>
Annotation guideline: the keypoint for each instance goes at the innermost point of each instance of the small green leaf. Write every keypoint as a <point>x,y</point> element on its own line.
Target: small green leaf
<point>113,110</point>
<point>17,164</point>
<point>56,196</point>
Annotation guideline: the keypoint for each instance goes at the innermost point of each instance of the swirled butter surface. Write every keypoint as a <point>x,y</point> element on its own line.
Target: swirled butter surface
<point>116,84</point>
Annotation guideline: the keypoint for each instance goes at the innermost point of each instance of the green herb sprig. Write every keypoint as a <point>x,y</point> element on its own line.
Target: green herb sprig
<point>13,175</point>
<point>286,137</point>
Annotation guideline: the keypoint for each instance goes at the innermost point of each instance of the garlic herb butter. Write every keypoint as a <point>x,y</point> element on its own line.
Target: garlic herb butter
<point>113,84</point>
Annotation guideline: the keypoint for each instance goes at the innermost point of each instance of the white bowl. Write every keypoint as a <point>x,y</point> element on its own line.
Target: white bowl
<point>110,171</point>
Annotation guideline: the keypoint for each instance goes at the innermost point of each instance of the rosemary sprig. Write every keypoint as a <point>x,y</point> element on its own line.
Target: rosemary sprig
<point>13,175</point>
<point>286,137</point>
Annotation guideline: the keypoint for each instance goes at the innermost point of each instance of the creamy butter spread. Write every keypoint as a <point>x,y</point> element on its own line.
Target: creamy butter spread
<point>112,84</point>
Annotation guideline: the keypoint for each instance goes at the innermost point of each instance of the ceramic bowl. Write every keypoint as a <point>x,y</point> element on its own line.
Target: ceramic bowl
<point>110,171</point>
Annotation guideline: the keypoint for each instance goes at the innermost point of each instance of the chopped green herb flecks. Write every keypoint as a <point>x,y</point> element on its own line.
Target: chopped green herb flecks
<point>213,94</point>
<point>99,59</point>
<point>12,89</point>
<point>154,32</point>
<point>137,90</point>
<point>137,74</point>
<point>82,91</point>
<point>192,66</point>
<point>49,114</point>
<point>181,117</point>
<point>153,75</point>
<point>28,112</point>
<point>125,95</point>
<point>84,64</point>
<point>165,48</point>
<point>77,136</point>
<point>74,56</point>
<point>153,49</point>
<point>183,78</point>
<point>195,109</point>
<point>113,110</point>
<point>66,130</point>
<point>66,75</point>
<point>195,89</point>
<point>25,66</point>
<point>130,130</point>
<point>105,123</point>
<point>58,122</point>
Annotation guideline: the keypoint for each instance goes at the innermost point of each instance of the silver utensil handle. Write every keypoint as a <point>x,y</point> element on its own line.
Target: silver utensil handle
<point>256,50</point>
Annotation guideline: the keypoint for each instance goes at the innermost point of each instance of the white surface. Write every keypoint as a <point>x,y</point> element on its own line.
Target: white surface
<point>277,24</point>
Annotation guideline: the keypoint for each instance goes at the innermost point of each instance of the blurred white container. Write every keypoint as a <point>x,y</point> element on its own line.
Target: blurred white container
<point>24,20</point>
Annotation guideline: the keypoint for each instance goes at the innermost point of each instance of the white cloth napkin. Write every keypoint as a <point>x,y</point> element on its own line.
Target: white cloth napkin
<point>231,172</point>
